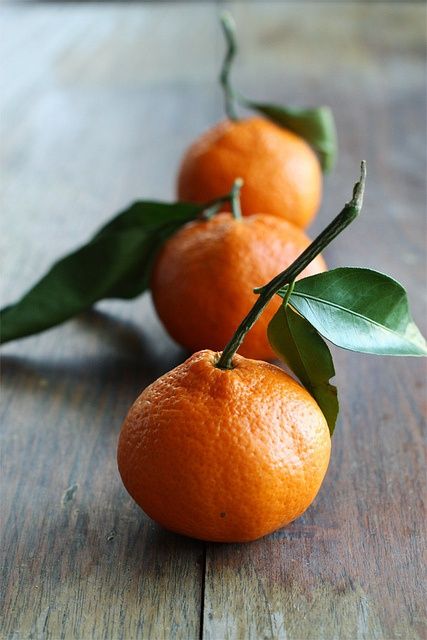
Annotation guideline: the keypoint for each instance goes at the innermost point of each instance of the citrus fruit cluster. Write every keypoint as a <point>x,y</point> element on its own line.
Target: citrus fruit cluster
<point>204,276</point>
<point>228,447</point>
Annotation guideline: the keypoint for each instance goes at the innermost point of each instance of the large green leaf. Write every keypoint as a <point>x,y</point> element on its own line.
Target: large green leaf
<point>361,310</point>
<point>115,263</point>
<point>316,126</point>
<point>297,343</point>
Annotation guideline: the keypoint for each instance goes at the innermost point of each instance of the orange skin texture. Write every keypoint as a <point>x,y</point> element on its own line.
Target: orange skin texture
<point>224,455</point>
<point>281,173</point>
<point>203,279</point>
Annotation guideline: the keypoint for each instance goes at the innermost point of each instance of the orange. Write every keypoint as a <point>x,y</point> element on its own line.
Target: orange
<point>203,278</point>
<point>224,455</point>
<point>281,172</point>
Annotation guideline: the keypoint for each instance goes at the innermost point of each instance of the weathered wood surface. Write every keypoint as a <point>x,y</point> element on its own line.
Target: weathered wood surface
<point>98,102</point>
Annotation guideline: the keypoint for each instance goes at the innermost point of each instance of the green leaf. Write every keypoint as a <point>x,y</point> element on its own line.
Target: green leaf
<point>297,343</point>
<point>116,263</point>
<point>316,126</point>
<point>361,310</point>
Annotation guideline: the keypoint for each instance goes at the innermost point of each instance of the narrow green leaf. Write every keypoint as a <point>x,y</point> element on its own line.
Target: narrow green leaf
<point>297,343</point>
<point>316,126</point>
<point>361,310</point>
<point>116,263</point>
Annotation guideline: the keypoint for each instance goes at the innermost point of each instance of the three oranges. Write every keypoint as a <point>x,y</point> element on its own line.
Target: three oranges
<point>233,454</point>
<point>229,455</point>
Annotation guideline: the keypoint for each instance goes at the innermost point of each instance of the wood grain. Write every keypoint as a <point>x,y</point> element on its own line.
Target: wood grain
<point>98,103</point>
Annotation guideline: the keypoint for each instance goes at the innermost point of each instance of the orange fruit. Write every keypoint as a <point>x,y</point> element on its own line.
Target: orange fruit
<point>224,455</point>
<point>203,278</point>
<point>281,172</point>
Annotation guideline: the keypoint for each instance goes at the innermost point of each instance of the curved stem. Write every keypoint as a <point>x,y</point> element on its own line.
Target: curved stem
<point>343,219</point>
<point>236,209</point>
<point>229,29</point>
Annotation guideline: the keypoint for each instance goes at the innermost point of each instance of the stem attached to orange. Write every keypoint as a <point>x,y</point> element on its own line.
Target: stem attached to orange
<point>235,199</point>
<point>343,219</point>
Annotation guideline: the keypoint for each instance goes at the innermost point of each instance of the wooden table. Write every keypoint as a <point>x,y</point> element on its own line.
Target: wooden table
<point>99,102</point>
